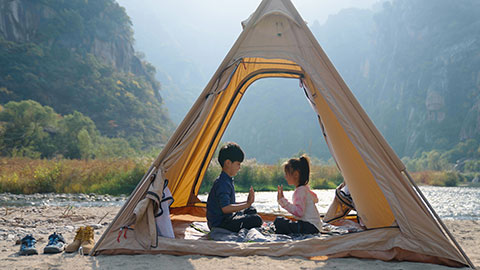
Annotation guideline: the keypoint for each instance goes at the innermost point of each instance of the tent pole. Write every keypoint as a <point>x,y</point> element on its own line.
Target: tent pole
<point>438,219</point>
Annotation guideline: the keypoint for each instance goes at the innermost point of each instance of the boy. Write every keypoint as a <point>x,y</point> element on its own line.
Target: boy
<point>222,210</point>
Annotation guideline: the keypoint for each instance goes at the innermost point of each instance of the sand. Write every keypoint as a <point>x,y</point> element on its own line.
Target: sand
<point>41,221</point>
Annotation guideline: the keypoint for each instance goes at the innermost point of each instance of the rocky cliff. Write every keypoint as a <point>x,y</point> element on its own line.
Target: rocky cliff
<point>414,66</point>
<point>23,20</point>
<point>78,55</point>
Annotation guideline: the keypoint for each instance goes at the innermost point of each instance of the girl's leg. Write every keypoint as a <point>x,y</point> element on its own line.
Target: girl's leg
<point>286,226</point>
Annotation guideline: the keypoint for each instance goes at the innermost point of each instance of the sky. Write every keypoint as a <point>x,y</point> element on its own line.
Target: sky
<point>208,28</point>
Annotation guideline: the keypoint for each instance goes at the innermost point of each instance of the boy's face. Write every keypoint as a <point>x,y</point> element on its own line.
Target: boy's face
<point>231,168</point>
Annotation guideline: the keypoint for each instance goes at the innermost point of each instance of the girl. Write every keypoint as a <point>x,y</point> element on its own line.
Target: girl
<point>297,171</point>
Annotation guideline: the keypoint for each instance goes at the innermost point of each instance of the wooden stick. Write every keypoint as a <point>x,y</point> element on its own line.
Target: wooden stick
<point>103,218</point>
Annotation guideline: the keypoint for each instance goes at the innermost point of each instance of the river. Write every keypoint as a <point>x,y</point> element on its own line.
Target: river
<point>461,203</point>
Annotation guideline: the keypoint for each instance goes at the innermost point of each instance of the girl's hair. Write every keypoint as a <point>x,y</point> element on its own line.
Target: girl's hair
<point>302,165</point>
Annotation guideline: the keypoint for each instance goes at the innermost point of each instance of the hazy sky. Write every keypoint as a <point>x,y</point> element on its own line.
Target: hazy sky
<point>210,27</point>
<point>208,12</point>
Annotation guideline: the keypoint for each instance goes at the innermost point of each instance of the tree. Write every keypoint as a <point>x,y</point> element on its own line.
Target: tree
<point>78,135</point>
<point>26,127</point>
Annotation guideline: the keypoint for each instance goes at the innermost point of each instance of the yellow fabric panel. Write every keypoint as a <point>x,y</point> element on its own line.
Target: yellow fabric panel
<point>231,112</point>
<point>186,169</point>
<point>370,202</point>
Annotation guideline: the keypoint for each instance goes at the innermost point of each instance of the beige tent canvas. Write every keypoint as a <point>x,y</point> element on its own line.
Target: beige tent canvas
<point>276,42</point>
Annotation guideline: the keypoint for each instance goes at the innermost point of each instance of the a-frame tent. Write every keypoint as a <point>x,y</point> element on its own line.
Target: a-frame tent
<point>276,42</point>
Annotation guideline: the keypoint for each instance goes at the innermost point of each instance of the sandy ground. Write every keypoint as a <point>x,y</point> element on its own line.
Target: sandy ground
<point>42,221</point>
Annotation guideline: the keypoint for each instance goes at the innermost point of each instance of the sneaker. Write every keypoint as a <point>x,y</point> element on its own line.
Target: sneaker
<point>56,244</point>
<point>28,245</point>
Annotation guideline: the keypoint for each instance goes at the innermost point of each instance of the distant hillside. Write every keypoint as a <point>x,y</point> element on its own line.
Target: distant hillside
<point>414,65</point>
<point>161,39</point>
<point>78,55</point>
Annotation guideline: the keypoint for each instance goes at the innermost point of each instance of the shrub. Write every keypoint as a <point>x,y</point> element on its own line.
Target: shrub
<point>108,176</point>
<point>267,177</point>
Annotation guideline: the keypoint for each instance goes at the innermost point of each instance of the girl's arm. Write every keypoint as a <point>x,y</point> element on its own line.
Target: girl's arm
<point>314,196</point>
<point>297,208</point>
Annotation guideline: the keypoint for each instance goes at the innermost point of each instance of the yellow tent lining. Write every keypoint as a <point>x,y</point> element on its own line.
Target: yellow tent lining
<point>370,201</point>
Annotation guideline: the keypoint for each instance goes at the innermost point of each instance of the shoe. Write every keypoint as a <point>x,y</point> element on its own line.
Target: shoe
<point>56,244</point>
<point>28,245</point>
<point>88,240</point>
<point>72,247</point>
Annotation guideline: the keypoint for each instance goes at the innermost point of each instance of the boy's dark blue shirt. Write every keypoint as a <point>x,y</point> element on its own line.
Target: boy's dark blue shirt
<point>221,195</point>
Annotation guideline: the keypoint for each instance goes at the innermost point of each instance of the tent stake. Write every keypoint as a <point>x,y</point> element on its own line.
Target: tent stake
<point>438,219</point>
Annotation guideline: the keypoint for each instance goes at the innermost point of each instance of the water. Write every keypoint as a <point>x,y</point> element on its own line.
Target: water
<point>449,202</point>
<point>62,200</point>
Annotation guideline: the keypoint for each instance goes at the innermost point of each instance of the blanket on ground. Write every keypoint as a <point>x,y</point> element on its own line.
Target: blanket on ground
<point>266,233</point>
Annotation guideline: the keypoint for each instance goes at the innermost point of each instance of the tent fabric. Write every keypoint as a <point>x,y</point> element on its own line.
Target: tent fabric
<point>276,42</point>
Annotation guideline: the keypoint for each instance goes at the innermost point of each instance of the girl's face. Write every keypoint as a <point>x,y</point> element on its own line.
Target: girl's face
<point>292,178</point>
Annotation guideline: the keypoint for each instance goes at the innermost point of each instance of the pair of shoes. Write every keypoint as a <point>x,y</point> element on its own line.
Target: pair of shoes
<point>84,241</point>
<point>28,245</point>
<point>55,244</point>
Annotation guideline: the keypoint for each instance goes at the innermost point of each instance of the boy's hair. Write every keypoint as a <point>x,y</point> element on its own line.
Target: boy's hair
<point>230,151</point>
<point>302,165</point>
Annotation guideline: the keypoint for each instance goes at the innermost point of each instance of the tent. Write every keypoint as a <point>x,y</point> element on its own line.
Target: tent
<point>276,42</point>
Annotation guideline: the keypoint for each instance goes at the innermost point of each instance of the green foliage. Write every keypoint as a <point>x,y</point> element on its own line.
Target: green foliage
<point>68,64</point>
<point>29,129</point>
<point>463,157</point>
<point>24,129</point>
<point>120,182</point>
<point>267,177</point>
<point>417,71</point>
<point>440,178</point>
<point>102,176</point>
<point>432,160</point>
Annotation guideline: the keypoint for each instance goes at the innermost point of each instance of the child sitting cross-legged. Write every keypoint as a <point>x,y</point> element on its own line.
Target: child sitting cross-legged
<point>222,209</point>
<point>297,171</point>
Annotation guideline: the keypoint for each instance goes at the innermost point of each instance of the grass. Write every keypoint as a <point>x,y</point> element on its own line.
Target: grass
<point>120,176</point>
<point>110,176</point>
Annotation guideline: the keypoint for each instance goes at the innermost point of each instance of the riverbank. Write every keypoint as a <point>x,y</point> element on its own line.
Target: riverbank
<point>120,176</point>
<point>42,220</point>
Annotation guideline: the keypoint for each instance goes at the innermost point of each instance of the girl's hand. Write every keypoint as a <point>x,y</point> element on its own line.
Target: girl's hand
<point>279,192</point>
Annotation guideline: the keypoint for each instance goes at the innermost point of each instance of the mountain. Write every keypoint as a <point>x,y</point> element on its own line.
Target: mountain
<point>78,55</point>
<point>171,45</point>
<point>414,67</point>
<point>274,120</point>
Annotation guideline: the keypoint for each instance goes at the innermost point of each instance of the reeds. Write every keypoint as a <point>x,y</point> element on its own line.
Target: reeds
<point>112,176</point>
<point>120,176</point>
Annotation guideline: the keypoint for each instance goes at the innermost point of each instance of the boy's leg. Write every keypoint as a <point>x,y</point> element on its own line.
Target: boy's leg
<point>232,223</point>
<point>250,221</point>
<point>240,220</point>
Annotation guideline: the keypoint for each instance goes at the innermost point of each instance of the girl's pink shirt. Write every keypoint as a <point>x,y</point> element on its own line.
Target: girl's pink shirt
<point>297,208</point>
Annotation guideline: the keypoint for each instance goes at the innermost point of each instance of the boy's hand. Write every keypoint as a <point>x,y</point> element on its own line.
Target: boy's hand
<point>279,192</point>
<point>251,196</point>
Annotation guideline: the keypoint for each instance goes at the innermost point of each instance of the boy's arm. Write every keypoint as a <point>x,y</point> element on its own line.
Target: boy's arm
<point>235,207</point>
